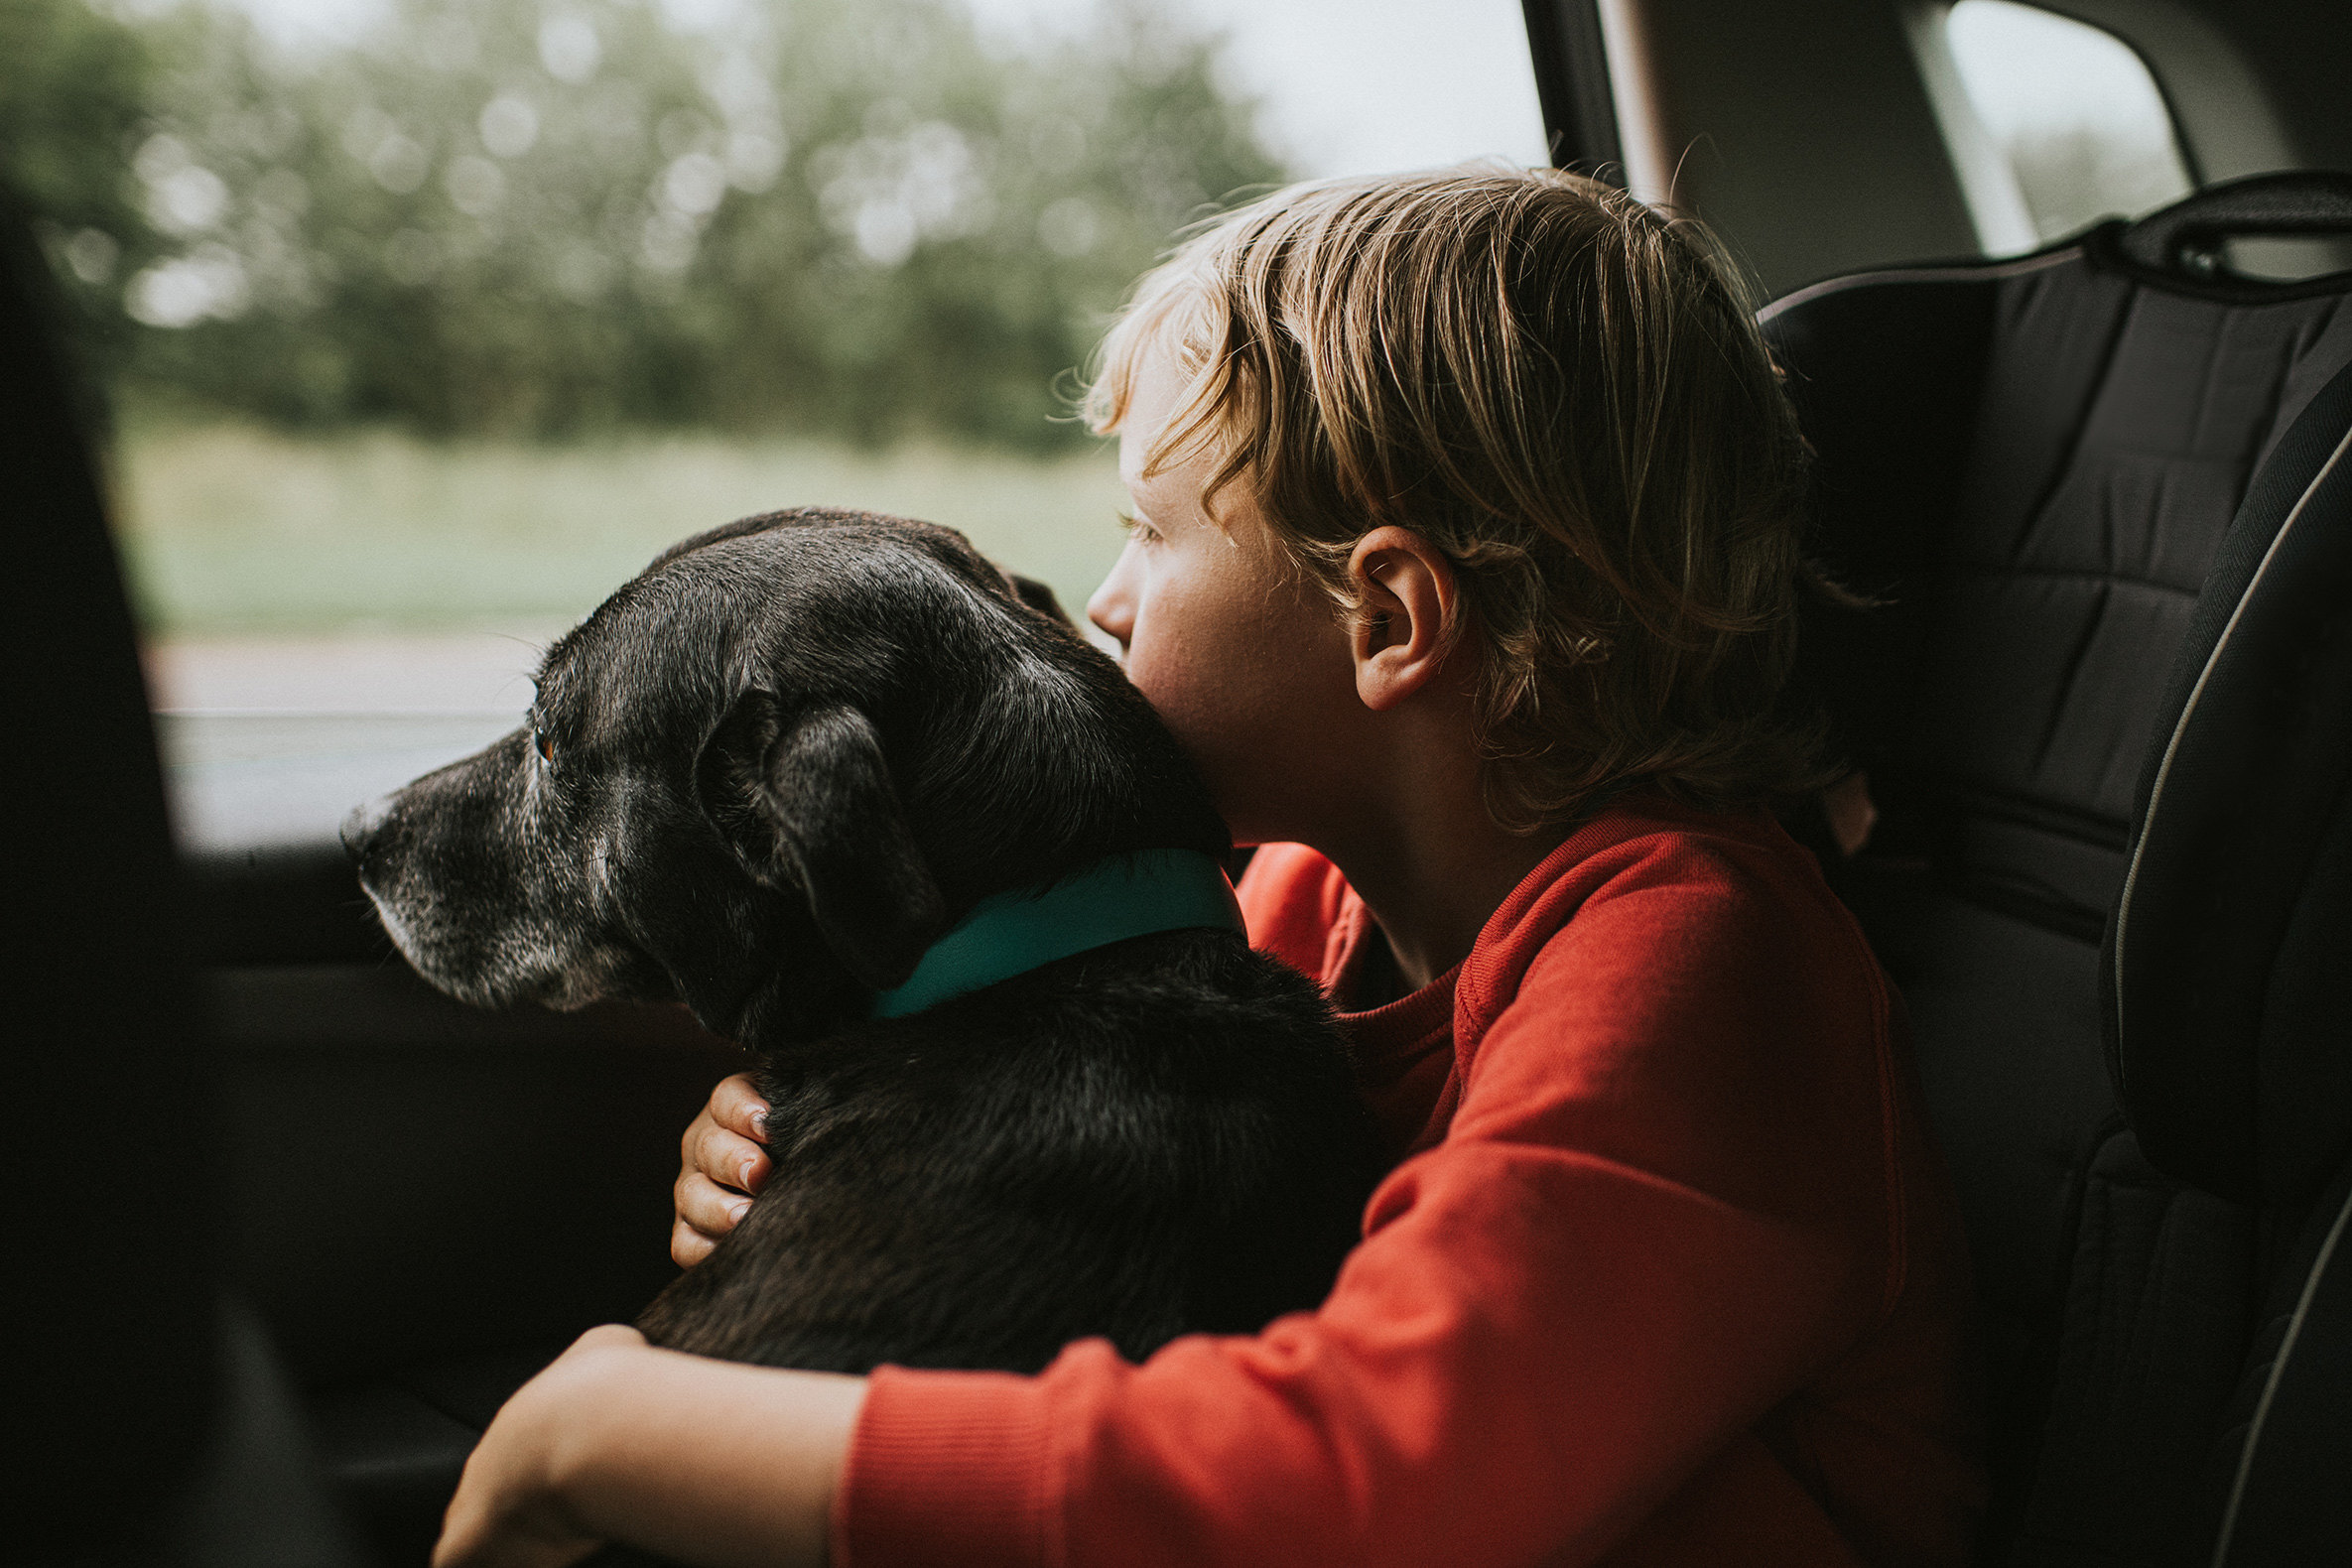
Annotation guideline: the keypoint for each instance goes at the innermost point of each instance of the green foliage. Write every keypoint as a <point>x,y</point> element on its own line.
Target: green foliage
<point>852,218</point>
<point>72,92</point>
<point>235,529</point>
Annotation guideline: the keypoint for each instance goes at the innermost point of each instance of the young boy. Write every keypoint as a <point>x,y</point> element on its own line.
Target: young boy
<point>1465,565</point>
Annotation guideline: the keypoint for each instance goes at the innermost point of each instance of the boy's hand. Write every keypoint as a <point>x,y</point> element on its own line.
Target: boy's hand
<point>691,1459</point>
<point>723,1166</point>
<point>509,1511</point>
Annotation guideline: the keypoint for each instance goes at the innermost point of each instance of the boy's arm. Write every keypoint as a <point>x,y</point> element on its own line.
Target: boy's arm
<point>1662,1209</point>
<point>708,1462</point>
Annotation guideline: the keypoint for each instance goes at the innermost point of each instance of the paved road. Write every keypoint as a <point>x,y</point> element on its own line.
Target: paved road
<point>353,672</point>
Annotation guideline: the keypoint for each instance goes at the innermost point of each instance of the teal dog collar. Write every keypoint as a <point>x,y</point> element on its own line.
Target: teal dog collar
<point>1008,934</point>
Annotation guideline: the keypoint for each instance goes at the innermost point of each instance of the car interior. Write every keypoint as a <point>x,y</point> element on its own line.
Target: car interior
<point>2092,498</point>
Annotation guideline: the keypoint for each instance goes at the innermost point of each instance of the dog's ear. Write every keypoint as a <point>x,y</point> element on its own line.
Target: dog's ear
<point>1039,597</point>
<point>804,800</point>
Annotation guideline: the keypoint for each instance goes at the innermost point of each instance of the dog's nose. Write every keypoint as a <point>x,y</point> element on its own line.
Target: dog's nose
<point>361,825</point>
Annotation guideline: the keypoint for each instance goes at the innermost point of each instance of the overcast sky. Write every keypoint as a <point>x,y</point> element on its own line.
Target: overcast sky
<point>1349,86</point>
<point>1355,86</point>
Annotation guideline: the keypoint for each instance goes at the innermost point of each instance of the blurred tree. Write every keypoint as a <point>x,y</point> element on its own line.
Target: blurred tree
<point>849,216</point>
<point>74,87</point>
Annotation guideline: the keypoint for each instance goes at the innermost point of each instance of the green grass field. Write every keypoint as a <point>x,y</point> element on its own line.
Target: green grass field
<point>233,530</point>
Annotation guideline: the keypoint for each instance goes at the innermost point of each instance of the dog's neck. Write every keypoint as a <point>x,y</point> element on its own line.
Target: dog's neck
<point>1115,899</point>
<point>1052,773</point>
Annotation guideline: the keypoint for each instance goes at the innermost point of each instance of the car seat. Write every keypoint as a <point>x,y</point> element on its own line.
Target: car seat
<point>2098,506</point>
<point>153,1426</point>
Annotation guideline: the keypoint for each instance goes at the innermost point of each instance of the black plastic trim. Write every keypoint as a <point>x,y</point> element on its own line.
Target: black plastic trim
<point>1571,61</point>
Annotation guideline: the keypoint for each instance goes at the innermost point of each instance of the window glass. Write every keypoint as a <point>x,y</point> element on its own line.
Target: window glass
<point>2076,128</point>
<point>427,322</point>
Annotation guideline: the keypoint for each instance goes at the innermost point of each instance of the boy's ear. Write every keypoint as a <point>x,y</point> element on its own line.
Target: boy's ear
<point>805,801</point>
<point>1402,632</point>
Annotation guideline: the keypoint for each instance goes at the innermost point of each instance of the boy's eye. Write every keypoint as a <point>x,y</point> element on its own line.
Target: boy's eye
<point>1136,527</point>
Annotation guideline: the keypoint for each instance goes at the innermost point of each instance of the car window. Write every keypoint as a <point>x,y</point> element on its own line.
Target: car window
<point>427,324</point>
<point>2054,124</point>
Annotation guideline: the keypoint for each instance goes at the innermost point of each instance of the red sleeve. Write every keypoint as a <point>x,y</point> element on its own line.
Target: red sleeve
<point>1660,1209</point>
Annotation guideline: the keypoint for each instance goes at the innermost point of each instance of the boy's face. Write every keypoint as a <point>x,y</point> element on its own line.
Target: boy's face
<point>1248,666</point>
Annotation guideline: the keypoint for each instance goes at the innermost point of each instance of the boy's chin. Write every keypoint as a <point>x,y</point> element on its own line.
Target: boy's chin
<point>1253,827</point>
<point>1250,834</point>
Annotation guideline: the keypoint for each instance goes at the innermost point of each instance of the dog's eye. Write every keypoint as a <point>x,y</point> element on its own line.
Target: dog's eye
<point>545,746</point>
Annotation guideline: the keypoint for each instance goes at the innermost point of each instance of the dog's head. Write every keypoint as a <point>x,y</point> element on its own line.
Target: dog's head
<point>766,774</point>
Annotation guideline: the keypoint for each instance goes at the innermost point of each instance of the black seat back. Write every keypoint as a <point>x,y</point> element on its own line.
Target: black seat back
<point>113,1362</point>
<point>151,1425</point>
<point>2032,467</point>
<point>2228,968</point>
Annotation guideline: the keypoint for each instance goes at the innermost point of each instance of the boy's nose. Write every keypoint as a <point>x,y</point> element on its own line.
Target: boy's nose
<point>1112,607</point>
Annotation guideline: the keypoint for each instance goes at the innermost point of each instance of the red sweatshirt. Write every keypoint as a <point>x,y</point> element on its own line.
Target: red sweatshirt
<point>1668,1272</point>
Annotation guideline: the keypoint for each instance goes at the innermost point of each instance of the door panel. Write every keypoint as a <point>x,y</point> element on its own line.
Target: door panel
<point>409,1178</point>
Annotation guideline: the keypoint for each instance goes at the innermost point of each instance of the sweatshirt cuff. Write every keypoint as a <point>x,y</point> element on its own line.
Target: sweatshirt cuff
<point>946,1466</point>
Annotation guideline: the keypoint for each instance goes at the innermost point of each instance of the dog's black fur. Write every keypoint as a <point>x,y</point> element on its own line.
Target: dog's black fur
<point>785,759</point>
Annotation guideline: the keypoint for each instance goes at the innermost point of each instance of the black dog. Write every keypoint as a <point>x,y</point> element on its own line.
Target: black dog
<point>765,778</point>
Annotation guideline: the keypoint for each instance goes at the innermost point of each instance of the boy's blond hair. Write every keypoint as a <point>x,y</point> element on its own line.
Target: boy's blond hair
<point>1561,389</point>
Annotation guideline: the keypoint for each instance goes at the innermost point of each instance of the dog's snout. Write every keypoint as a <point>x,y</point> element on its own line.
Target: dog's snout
<point>361,825</point>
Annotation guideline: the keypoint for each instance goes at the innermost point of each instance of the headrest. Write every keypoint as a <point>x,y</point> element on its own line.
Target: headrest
<point>2228,962</point>
<point>2028,465</point>
<point>2180,247</point>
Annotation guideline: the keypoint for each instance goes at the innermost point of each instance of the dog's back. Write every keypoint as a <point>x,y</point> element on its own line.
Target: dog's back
<point>1145,1140</point>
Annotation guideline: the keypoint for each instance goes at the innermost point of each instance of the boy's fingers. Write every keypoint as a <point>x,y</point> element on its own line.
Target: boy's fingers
<point>735,1105</point>
<point>720,1164</point>
<point>708,1207</point>
<point>729,1160</point>
<point>687,1246</point>
<point>705,1213</point>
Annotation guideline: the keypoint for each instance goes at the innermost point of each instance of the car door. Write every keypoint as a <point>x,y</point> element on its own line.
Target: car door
<point>421,1202</point>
